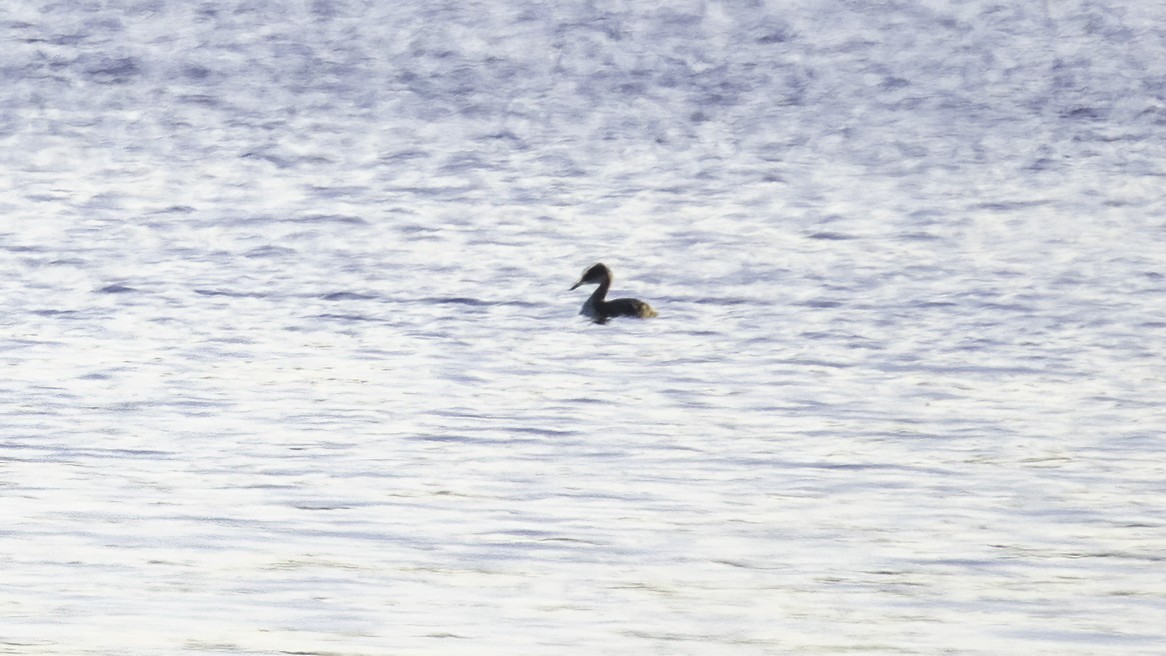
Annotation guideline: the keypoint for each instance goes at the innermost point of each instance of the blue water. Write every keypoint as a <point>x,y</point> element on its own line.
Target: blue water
<point>291,366</point>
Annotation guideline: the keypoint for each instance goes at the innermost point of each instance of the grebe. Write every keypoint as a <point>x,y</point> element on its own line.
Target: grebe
<point>600,310</point>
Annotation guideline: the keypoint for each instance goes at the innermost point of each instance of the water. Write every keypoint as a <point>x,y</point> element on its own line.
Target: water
<point>291,365</point>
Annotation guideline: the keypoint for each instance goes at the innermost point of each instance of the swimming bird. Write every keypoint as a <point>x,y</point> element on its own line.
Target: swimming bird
<point>600,310</point>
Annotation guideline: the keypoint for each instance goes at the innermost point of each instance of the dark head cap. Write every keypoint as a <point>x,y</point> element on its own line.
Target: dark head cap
<point>594,275</point>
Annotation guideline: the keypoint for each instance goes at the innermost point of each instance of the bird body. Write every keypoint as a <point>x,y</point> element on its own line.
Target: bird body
<point>598,309</point>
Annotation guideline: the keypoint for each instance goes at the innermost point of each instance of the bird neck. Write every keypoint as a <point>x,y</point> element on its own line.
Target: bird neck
<point>600,292</point>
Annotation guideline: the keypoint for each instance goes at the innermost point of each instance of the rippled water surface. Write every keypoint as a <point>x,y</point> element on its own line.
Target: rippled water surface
<point>290,363</point>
